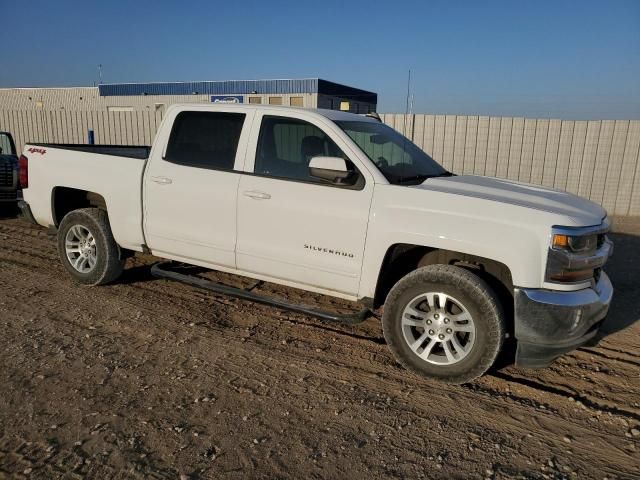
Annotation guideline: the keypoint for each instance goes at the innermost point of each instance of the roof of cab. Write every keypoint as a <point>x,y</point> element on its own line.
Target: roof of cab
<point>335,115</point>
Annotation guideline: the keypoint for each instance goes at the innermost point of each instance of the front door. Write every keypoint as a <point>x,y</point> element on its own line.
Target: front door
<point>190,191</point>
<point>294,227</point>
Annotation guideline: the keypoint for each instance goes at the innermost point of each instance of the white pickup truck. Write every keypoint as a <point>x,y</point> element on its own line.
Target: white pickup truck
<point>343,205</point>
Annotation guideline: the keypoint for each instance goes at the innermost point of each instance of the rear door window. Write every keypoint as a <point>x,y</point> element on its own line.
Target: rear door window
<point>205,139</point>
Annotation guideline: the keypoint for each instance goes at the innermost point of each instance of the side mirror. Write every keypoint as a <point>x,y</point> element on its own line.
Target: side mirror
<point>332,169</point>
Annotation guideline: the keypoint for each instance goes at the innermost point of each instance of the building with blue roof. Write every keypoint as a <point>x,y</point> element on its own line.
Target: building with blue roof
<point>118,97</point>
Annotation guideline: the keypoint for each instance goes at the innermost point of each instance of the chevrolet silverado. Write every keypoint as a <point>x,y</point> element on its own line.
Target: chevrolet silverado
<point>343,205</point>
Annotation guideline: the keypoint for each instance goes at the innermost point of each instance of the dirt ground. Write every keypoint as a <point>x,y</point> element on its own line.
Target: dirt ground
<point>152,379</point>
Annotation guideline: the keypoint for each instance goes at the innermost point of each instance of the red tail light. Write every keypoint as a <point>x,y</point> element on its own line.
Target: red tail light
<point>23,166</point>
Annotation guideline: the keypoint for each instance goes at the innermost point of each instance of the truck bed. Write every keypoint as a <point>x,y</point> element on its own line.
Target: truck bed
<point>112,171</point>
<point>134,151</point>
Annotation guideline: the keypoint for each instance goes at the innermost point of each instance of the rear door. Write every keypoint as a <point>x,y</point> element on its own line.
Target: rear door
<point>294,227</point>
<point>190,188</point>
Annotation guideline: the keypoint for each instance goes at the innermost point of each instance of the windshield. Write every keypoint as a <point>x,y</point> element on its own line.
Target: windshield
<point>399,160</point>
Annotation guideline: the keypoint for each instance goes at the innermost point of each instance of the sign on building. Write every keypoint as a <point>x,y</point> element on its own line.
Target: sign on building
<point>226,98</point>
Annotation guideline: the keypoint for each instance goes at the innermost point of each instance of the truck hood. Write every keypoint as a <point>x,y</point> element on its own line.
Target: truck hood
<point>582,212</point>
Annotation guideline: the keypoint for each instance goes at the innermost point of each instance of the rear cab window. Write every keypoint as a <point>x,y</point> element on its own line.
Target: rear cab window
<point>205,139</point>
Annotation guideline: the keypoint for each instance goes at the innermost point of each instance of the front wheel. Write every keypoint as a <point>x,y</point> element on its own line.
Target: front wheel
<point>87,248</point>
<point>444,322</point>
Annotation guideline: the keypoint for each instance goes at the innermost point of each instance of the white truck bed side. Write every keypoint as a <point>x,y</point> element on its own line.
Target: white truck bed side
<point>117,179</point>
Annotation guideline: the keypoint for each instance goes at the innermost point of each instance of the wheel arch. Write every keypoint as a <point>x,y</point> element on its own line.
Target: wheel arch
<point>402,258</point>
<point>67,199</point>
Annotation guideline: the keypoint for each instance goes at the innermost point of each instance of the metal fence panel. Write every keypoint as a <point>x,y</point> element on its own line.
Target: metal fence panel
<point>515,149</point>
<point>596,159</point>
<point>470,146</point>
<point>629,170</point>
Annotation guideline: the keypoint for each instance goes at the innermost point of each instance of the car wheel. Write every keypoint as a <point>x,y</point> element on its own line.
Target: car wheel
<point>444,322</point>
<point>87,248</point>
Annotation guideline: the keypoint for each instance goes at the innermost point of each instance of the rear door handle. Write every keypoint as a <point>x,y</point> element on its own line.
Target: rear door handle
<point>162,180</point>
<point>257,195</point>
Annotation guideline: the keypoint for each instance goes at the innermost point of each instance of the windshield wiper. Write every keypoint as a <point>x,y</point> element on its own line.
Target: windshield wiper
<point>422,178</point>
<point>413,178</point>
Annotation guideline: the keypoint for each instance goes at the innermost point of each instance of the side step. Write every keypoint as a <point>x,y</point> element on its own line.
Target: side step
<point>163,270</point>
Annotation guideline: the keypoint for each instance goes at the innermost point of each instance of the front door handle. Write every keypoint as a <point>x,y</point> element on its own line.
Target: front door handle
<point>257,195</point>
<point>162,180</point>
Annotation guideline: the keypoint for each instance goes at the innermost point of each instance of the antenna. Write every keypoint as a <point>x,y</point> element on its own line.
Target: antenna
<point>404,128</point>
<point>100,73</point>
<point>406,113</point>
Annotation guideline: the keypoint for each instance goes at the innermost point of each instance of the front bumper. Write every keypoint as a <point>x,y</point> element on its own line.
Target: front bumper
<point>549,323</point>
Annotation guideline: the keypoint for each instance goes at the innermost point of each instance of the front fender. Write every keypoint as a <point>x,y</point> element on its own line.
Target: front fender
<point>476,227</point>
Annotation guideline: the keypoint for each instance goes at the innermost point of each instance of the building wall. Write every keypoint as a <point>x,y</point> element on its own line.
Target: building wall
<point>598,159</point>
<point>333,103</point>
<point>87,99</point>
<point>47,99</point>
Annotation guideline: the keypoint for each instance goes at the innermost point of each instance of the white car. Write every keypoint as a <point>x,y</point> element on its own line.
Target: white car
<point>343,205</point>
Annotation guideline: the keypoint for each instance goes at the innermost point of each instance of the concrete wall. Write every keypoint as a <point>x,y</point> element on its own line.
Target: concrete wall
<point>596,159</point>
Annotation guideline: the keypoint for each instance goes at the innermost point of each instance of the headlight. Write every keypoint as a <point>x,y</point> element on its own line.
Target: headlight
<point>575,243</point>
<point>575,254</point>
<point>560,274</point>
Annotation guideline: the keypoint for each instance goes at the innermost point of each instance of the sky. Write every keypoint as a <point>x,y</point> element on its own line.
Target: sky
<point>575,59</point>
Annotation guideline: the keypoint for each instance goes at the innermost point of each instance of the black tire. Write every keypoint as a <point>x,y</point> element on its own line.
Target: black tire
<point>109,265</point>
<point>479,300</point>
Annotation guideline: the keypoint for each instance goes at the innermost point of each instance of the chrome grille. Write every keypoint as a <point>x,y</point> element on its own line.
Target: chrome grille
<point>12,195</point>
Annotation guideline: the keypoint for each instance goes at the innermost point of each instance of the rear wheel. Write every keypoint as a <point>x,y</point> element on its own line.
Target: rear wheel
<point>87,248</point>
<point>444,322</point>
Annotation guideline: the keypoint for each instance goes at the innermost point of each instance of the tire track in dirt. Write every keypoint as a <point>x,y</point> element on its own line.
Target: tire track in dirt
<point>232,365</point>
<point>631,361</point>
<point>610,357</point>
<point>559,390</point>
<point>528,383</point>
<point>324,389</point>
<point>615,350</point>
<point>570,394</point>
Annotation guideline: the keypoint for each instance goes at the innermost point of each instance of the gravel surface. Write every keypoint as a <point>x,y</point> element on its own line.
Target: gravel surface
<point>152,379</point>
